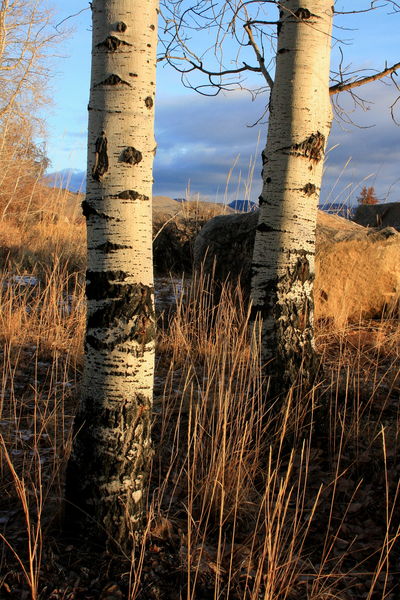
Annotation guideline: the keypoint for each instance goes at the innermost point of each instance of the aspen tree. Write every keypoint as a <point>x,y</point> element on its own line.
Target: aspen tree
<point>110,462</point>
<point>299,125</point>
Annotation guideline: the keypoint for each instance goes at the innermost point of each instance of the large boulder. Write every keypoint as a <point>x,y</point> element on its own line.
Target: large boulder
<point>175,227</point>
<point>357,269</point>
<point>378,215</point>
<point>225,244</point>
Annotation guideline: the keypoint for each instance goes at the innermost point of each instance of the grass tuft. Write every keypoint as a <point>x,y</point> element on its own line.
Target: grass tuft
<point>245,502</point>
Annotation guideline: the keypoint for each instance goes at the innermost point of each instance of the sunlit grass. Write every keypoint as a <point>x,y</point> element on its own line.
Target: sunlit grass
<point>250,502</point>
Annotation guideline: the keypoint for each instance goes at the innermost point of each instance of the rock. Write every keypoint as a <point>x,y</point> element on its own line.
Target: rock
<point>379,215</point>
<point>357,269</point>
<point>359,277</point>
<point>228,240</point>
<point>175,227</point>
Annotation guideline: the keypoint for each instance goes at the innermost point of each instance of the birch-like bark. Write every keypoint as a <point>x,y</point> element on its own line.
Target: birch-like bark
<point>111,457</point>
<point>299,125</point>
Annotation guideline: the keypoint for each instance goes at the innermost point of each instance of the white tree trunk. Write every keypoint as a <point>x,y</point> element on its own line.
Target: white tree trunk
<point>299,125</point>
<point>112,449</point>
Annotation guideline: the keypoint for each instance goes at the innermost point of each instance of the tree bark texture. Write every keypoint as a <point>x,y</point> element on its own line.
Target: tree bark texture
<point>299,125</point>
<point>109,467</point>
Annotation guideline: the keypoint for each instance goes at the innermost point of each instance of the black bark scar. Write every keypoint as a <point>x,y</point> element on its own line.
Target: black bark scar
<point>100,166</point>
<point>280,23</point>
<point>132,195</point>
<point>108,247</point>
<point>264,159</point>
<point>112,43</point>
<point>312,147</point>
<point>131,156</point>
<point>89,211</point>
<point>262,201</point>
<point>303,14</point>
<point>104,284</point>
<point>309,189</point>
<point>301,271</point>
<point>113,79</point>
<point>264,228</point>
<point>127,304</point>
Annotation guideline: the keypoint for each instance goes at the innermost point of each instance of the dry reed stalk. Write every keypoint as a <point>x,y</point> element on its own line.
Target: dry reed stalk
<point>244,503</point>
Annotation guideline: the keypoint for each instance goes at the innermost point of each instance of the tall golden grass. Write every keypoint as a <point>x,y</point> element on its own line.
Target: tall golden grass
<point>251,503</point>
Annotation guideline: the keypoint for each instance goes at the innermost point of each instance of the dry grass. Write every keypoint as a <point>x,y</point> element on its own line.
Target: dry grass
<point>42,247</point>
<point>244,502</point>
<point>40,351</point>
<point>264,509</point>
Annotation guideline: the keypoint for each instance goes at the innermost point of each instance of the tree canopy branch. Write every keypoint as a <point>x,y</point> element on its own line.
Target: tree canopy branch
<point>344,87</point>
<point>260,58</point>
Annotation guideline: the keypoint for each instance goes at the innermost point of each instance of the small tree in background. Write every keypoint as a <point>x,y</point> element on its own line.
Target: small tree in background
<point>367,196</point>
<point>22,164</point>
<point>26,37</point>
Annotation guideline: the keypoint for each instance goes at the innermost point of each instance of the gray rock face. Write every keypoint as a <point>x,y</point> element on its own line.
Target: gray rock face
<point>175,227</point>
<point>379,215</point>
<point>357,269</point>
<point>225,244</point>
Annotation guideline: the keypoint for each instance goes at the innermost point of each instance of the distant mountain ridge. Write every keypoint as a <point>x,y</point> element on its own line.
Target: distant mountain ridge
<point>74,180</point>
<point>338,208</point>
<point>243,205</point>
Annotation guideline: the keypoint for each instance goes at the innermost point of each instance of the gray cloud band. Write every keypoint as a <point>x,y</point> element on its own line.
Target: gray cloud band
<point>206,141</point>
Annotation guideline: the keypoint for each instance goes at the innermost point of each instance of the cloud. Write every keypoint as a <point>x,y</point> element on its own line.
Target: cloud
<point>201,140</point>
<point>207,143</point>
<point>370,148</point>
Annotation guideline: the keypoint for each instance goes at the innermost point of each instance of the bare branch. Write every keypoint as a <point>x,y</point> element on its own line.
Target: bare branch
<point>199,67</point>
<point>26,34</point>
<point>260,58</point>
<point>344,87</point>
<point>248,24</point>
<point>256,22</point>
<point>374,6</point>
<point>72,16</point>
<point>357,12</point>
<point>183,21</point>
<point>396,101</point>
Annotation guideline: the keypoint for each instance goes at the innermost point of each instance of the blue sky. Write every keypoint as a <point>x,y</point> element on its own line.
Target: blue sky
<point>201,140</point>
